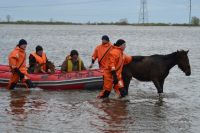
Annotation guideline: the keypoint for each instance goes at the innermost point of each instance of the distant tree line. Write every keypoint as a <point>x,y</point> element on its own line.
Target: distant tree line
<point>195,21</point>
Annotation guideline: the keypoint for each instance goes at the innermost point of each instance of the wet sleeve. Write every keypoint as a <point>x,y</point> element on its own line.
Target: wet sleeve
<point>13,60</point>
<point>127,59</point>
<point>95,54</point>
<point>32,60</point>
<point>112,59</point>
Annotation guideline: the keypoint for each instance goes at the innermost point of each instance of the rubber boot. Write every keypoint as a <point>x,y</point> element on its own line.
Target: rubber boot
<point>105,94</point>
<point>126,91</point>
<point>12,86</point>
<point>30,83</point>
<point>123,92</point>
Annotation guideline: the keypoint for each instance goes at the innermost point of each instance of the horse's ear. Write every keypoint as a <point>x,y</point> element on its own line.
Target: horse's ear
<point>177,51</point>
<point>187,51</point>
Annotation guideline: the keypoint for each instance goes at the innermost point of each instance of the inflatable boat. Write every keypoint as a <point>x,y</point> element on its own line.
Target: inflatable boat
<point>86,79</point>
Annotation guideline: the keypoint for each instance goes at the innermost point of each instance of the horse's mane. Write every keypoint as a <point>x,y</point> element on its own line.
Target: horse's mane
<point>166,56</point>
<point>169,56</point>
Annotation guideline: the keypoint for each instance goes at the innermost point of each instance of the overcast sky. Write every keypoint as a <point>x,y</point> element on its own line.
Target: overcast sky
<point>168,11</point>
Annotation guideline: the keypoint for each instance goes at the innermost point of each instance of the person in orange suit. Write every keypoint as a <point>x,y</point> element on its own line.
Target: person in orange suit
<point>38,58</point>
<point>101,52</point>
<point>113,71</point>
<point>17,63</point>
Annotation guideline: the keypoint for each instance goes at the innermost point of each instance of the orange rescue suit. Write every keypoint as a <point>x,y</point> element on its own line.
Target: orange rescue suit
<point>17,59</point>
<point>41,60</point>
<point>101,52</point>
<point>115,62</point>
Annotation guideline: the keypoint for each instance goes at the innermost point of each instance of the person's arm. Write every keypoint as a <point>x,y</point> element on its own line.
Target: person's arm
<point>94,57</point>
<point>13,62</point>
<point>47,70</point>
<point>63,66</point>
<point>32,60</point>
<point>127,59</point>
<point>13,58</point>
<point>82,66</point>
<point>112,61</point>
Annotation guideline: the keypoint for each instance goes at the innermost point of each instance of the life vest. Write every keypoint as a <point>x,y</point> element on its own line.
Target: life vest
<point>69,64</point>
<point>41,60</point>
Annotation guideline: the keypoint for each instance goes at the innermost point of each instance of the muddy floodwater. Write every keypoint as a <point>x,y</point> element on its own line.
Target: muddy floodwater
<point>78,111</point>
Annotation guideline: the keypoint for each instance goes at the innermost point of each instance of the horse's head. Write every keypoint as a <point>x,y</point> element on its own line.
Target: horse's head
<point>50,65</point>
<point>183,62</point>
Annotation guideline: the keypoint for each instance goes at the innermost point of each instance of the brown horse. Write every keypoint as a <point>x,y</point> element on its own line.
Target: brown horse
<point>155,68</point>
<point>49,66</point>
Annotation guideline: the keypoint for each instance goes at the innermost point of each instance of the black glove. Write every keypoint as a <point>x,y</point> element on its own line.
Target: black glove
<point>30,83</point>
<point>115,79</point>
<point>93,61</point>
<point>21,75</point>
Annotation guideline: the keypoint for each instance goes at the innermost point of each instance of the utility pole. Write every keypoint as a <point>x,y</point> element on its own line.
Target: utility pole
<point>8,18</point>
<point>190,12</point>
<point>143,14</point>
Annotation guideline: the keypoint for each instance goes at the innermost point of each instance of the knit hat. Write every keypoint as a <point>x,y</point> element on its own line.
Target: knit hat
<point>73,52</point>
<point>105,37</point>
<point>38,48</point>
<point>119,42</point>
<point>22,42</point>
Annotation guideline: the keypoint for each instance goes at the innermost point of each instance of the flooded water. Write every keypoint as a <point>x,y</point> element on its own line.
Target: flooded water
<point>79,110</point>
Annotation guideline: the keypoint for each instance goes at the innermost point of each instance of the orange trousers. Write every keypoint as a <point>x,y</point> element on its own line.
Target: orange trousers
<point>14,79</point>
<point>108,84</point>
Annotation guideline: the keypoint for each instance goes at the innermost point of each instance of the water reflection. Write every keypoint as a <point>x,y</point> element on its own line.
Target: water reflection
<point>18,99</point>
<point>115,116</point>
<point>160,101</point>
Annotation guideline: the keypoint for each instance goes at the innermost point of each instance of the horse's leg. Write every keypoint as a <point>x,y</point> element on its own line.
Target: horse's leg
<point>126,76</point>
<point>162,84</point>
<point>158,86</point>
<point>126,84</point>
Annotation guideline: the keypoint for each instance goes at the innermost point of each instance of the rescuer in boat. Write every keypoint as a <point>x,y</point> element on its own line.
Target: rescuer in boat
<point>72,62</point>
<point>113,71</point>
<point>101,52</point>
<point>37,61</point>
<point>17,64</point>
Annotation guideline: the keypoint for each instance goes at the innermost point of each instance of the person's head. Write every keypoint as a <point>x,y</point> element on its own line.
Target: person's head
<point>22,44</point>
<point>120,43</point>
<point>74,55</point>
<point>105,39</point>
<point>39,50</point>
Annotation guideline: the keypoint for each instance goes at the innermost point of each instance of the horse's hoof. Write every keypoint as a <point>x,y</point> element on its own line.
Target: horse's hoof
<point>160,95</point>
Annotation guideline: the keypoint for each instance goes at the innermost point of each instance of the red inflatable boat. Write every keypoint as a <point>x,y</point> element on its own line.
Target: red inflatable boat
<point>87,79</point>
